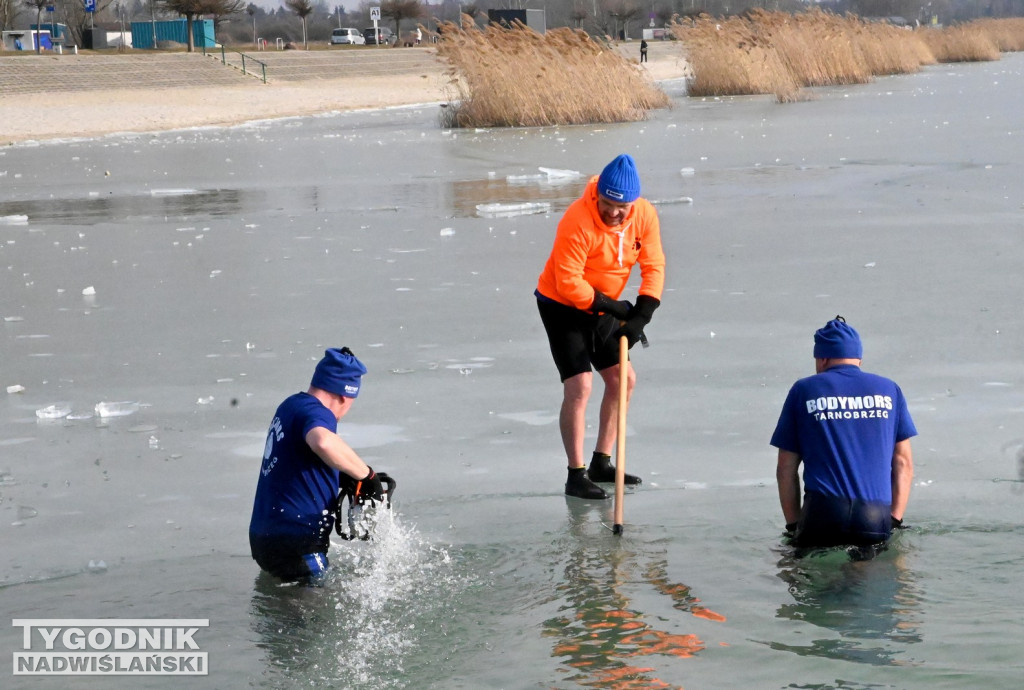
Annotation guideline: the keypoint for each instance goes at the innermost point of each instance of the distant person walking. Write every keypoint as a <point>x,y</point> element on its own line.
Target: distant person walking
<point>851,430</point>
<point>599,239</point>
<point>643,50</point>
<point>419,35</point>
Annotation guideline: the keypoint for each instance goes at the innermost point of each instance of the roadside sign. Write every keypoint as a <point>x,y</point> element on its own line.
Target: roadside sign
<point>90,5</point>
<point>375,13</point>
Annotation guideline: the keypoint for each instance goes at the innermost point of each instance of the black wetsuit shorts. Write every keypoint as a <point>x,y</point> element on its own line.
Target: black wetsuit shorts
<point>579,340</point>
<point>836,521</point>
<point>289,558</point>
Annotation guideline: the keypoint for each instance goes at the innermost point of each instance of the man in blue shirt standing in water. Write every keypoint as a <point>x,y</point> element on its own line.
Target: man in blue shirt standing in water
<point>852,432</point>
<point>297,491</point>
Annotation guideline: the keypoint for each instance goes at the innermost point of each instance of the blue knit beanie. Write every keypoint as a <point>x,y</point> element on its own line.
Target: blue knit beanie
<point>339,372</point>
<point>619,180</point>
<point>837,340</point>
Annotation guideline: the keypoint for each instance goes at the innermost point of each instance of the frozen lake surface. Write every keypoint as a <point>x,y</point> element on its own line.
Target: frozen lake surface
<point>199,276</point>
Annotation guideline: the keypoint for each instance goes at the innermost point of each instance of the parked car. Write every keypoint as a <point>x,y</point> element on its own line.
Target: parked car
<point>385,36</point>
<point>347,37</point>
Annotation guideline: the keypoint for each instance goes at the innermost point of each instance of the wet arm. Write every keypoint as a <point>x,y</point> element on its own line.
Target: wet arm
<point>902,476</point>
<point>787,476</point>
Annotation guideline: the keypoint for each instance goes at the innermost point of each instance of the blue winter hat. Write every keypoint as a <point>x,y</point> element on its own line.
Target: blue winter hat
<point>339,372</point>
<point>837,340</point>
<point>619,180</point>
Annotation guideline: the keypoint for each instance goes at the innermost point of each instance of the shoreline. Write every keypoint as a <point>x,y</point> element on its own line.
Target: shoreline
<point>92,114</point>
<point>37,118</point>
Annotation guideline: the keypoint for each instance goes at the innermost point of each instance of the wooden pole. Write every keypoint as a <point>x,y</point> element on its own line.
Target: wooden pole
<point>620,449</point>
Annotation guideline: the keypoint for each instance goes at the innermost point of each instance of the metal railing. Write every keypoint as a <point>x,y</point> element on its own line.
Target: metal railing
<point>242,58</point>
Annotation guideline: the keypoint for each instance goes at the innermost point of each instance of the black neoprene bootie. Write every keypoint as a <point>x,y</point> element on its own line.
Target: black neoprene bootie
<point>602,470</point>
<point>580,486</point>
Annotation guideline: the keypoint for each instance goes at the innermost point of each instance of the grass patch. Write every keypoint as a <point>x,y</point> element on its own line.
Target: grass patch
<point>520,78</point>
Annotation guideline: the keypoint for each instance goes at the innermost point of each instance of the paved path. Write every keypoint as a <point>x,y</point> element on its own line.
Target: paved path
<point>51,73</point>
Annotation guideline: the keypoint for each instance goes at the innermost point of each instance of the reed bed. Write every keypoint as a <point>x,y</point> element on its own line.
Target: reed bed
<point>962,43</point>
<point>745,60</point>
<point>519,78</point>
<point>778,53</point>
<point>817,46</point>
<point>1008,34</point>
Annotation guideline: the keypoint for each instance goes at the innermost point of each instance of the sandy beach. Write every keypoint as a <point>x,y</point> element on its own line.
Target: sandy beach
<point>90,113</point>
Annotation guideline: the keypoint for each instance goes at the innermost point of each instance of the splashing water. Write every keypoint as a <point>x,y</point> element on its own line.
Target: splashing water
<point>378,620</point>
<point>382,589</point>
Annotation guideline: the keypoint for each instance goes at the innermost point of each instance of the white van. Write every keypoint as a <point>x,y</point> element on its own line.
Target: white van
<point>347,37</point>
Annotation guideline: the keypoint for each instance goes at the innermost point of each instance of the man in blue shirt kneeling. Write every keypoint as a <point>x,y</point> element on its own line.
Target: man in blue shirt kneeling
<point>303,461</point>
<point>851,430</point>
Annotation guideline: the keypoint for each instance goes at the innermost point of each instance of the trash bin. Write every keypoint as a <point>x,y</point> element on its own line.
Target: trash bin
<point>94,39</point>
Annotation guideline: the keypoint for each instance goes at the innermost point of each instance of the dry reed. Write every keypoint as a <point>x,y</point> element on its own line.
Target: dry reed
<point>1008,34</point>
<point>519,78</point>
<point>962,43</point>
<point>778,53</point>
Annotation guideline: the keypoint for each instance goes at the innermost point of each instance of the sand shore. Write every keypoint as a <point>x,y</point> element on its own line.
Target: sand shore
<point>75,114</point>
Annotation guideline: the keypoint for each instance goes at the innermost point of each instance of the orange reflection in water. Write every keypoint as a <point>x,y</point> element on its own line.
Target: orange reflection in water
<point>602,641</point>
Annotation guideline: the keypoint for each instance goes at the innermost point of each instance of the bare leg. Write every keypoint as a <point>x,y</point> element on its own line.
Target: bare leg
<point>601,468</point>
<point>573,425</point>
<point>572,420</point>
<point>607,429</point>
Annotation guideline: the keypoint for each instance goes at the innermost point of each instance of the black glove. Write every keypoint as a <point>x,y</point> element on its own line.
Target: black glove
<point>369,488</point>
<point>639,317</point>
<point>896,523</point>
<point>620,309</point>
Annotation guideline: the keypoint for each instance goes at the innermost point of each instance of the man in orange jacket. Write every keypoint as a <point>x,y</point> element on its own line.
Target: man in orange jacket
<point>599,239</point>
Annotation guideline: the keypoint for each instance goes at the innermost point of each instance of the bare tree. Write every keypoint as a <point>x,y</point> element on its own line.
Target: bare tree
<point>224,8</point>
<point>578,13</point>
<point>40,5</point>
<point>192,9</point>
<point>303,8</point>
<point>251,10</point>
<point>8,13</point>
<point>623,11</point>
<point>77,21</point>
<point>399,10</point>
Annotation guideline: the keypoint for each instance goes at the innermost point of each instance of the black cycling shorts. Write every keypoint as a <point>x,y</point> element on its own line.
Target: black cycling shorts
<point>579,340</point>
<point>290,559</point>
<point>837,521</point>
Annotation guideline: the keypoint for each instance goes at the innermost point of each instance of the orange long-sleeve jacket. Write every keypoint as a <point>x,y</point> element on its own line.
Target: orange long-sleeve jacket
<point>588,255</point>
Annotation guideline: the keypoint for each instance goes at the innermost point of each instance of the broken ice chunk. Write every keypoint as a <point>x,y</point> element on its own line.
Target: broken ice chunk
<point>517,209</point>
<point>116,409</point>
<point>56,411</point>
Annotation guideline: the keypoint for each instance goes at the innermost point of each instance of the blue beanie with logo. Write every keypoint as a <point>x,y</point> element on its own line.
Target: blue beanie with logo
<point>339,372</point>
<point>837,340</point>
<point>619,180</point>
